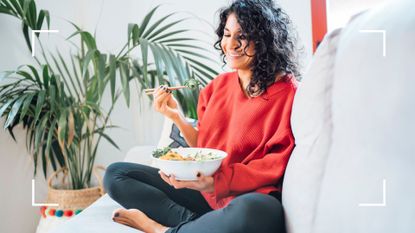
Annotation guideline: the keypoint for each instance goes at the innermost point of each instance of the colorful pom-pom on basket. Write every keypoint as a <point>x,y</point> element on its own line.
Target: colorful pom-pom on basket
<point>70,202</point>
<point>53,212</point>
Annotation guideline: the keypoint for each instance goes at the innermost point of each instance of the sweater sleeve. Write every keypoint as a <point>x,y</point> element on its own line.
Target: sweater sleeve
<point>240,178</point>
<point>202,102</point>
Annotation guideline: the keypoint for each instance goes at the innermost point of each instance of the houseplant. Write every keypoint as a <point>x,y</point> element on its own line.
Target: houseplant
<point>59,100</point>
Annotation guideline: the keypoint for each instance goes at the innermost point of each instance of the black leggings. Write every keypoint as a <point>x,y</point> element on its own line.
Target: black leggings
<point>185,210</point>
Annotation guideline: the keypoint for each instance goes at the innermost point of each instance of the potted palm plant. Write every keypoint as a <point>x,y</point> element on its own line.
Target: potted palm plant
<point>59,99</point>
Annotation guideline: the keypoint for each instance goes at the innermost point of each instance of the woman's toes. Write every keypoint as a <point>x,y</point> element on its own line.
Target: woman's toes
<point>116,212</point>
<point>136,219</point>
<point>122,221</point>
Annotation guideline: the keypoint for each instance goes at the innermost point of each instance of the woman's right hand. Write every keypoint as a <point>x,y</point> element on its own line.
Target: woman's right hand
<point>165,103</point>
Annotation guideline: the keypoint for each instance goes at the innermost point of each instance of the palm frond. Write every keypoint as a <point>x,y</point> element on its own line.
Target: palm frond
<point>174,58</point>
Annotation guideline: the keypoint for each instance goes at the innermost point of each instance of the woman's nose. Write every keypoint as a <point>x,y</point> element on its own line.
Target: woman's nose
<point>234,43</point>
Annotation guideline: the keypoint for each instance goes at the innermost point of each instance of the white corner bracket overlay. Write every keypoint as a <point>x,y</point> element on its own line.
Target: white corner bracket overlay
<point>39,204</point>
<point>33,38</point>
<point>383,204</point>
<point>383,38</point>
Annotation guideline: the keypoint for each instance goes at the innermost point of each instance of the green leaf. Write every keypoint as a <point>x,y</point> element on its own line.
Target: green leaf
<point>39,104</point>
<point>77,76</point>
<point>111,74</point>
<point>25,4</point>
<point>40,19</point>
<point>88,57</point>
<point>25,30</point>
<point>26,105</point>
<point>62,129</point>
<point>133,33</point>
<point>6,11</point>
<point>86,37</point>
<point>176,40</point>
<point>174,45</point>
<point>163,29</point>
<point>65,67</point>
<point>158,61</point>
<point>31,16</point>
<point>144,53</point>
<point>10,129</point>
<point>50,138</point>
<point>58,153</point>
<point>47,17</point>
<point>200,71</point>
<point>46,77</point>
<point>37,78</point>
<point>201,65</point>
<point>44,161</point>
<point>101,73</point>
<point>52,98</point>
<point>17,7</point>
<point>201,79</point>
<point>167,62</point>
<point>109,139</point>
<point>146,20</point>
<point>6,105</point>
<point>174,63</point>
<point>197,55</point>
<point>124,82</point>
<point>78,89</point>
<point>40,131</point>
<point>26,75</point>
<point>5,74</point>
<point>89,40</point>
<point>168,35</point>
<point>156,24</point>
<point>13,112</point>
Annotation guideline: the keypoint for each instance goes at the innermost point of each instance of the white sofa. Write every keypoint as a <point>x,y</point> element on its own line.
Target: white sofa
<point>352,169</point>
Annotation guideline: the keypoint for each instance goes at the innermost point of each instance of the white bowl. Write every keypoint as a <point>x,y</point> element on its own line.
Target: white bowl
<point>187,170</point>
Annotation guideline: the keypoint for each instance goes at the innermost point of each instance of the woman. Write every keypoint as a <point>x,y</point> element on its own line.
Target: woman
<point>245,113</point>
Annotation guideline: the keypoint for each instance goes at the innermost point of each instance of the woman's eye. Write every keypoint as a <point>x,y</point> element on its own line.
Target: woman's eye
<point>242,37</point>
<point>226,35</point>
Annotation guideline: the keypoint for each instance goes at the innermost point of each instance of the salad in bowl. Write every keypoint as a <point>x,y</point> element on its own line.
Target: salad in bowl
<point>185,163</point>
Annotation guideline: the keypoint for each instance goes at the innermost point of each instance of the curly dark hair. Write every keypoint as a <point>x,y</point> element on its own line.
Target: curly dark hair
<point>270,28</point>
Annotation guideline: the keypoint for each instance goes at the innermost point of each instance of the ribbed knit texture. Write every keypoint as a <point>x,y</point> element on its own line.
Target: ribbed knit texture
<point>255,132</point>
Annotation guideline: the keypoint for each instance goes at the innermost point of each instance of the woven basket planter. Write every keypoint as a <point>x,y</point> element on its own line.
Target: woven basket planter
<point>70,202</point>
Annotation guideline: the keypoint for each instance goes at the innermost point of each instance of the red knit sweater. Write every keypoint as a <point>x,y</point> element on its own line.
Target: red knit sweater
<point>255,132</point>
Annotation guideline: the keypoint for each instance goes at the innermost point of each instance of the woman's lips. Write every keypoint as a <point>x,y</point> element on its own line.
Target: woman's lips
<point>234,55</point>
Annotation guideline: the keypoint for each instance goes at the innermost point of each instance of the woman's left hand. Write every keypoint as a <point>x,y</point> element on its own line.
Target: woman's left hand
<point>203,183</point>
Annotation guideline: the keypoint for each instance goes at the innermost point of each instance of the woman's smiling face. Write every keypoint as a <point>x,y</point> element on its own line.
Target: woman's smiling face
<point>234,45</point>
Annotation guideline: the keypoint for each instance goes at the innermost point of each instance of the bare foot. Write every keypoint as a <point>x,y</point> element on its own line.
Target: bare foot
<point>138,220</point>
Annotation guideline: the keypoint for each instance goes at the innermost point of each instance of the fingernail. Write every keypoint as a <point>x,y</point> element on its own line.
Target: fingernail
<point>198,174</point>
<point>116,215</point>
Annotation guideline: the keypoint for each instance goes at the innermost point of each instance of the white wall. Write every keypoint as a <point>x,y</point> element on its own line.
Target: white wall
<point>138,127</point>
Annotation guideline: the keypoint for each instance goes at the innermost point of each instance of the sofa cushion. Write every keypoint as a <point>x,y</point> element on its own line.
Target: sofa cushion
<point>312,125</point>
<point>353,171</point>
<point>371,160</point>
